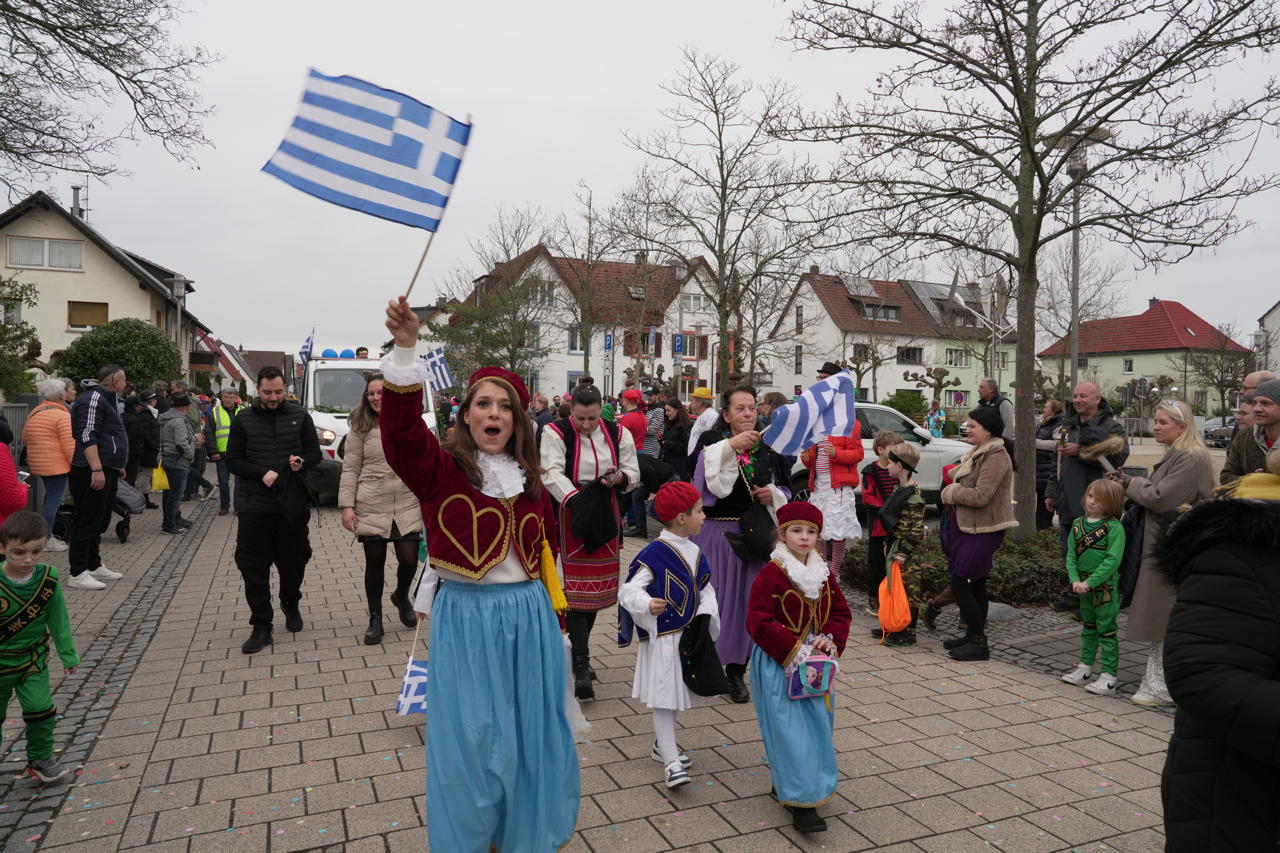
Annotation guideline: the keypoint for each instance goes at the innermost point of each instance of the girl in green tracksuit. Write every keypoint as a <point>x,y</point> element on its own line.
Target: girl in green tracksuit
<point>1094,551</point>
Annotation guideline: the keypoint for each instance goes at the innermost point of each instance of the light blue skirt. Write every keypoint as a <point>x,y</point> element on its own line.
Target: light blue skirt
<point>502,768</point>
<point>797,736</point>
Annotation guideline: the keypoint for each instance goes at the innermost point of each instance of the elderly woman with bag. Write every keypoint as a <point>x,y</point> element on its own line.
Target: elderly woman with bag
<point>379,508</point>
<point>743,482</point>
<point>980,504</point>
<point>1183,476</point>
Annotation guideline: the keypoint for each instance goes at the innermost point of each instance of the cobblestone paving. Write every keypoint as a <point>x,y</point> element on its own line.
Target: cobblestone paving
<point>297,748</point>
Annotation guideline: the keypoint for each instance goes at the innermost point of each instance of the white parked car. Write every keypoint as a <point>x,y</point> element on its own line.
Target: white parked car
<point>934,452</point>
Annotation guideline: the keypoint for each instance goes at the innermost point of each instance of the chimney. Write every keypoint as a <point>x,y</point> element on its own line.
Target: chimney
<point>641,258</point>
<point>1151,303</point>
<point>76,210</point>
<point>813,269</point>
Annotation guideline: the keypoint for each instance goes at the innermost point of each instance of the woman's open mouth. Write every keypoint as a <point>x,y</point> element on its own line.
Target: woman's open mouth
<point>492,431</point>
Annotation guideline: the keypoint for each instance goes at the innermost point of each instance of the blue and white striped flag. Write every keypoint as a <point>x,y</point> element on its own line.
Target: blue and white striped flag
<point>826,409</point>
<point>439,376</point>
<point>304,354</point>
<point>371,149</point>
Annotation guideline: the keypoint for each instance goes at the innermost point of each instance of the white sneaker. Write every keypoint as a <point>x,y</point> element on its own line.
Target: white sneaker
<point>676,775</point>
<point>683,758</point>
<point>1103,685</point>
<point>55,544</point>
<point>85,580</point>
<point>1079,675</point>
<point>102,573</point>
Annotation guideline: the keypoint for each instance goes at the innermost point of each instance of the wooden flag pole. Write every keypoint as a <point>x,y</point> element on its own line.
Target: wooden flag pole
<point>431,236</point>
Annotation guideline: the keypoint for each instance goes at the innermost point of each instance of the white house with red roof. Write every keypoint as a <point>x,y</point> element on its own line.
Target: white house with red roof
<point>1118,350</point>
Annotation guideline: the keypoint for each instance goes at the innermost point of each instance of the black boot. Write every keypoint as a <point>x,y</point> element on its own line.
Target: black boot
<point>906,637</point>
<point>258,640</point>
<point>400,598</point>
<point>373,636</point>
<point>582,687</point>
<point>738,692</point>
<point>292,618</point>
<point>974,649</point>
<point>806,819</point>
<point>955,642</point>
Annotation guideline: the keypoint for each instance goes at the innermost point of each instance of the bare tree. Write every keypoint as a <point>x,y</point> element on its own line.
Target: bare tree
<point>974,129</point>
<point>1221,368</point>
<point>1101,295</point>
<point>717,183</point>
<point>59,62</point>
<point>771,319</point>
<point>933,378</point>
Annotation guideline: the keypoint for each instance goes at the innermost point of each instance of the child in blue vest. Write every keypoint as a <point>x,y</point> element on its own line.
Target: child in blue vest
<point>668,584</point>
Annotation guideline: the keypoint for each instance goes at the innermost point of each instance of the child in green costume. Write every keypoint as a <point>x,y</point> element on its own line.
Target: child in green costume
<point>32,608</point>
<point>1094,551</point>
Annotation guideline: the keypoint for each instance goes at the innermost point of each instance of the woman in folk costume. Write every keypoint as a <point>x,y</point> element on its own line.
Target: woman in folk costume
<point>734,469</point>
<point>796,609</point>
<point>502,769</point>
<point>586,461</point>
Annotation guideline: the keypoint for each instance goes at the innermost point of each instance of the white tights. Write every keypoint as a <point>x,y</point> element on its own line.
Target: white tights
<point>664,729</point>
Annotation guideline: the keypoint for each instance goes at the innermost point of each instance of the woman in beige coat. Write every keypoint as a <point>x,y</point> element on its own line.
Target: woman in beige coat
<point>1183,477</point>
<point>379,508</point>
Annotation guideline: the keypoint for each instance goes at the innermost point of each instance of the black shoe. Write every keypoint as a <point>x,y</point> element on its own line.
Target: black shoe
<point>150,504</point>
<point>901,638</point>
<point>805,819</point>
<point>929,616</point>
<point>1069,603</point>
<point>632,530</point>
<point>877,632</point>
<point>408,618</point>
<point>582,687</point>
<point>955,642</point>
<point>975,649</point>
<point>591,672</point>
<point>122,530</point>
<point>184,522</point>
<point>373,636</point>
<point>738,689</point>
<point>258,640</point>
<point>173,531</point>
<point>292,618</point>
<point>206,492</point>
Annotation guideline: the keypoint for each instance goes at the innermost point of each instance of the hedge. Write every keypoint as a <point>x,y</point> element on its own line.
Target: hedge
<point>1024,573</point>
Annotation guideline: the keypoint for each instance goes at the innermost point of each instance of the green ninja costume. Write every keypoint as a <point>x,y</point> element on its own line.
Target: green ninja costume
<point>29,612</point>
<point>1094,552</point>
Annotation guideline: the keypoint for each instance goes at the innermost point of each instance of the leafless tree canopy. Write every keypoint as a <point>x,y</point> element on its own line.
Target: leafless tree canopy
<point>61,61</point>
<point>969,129</point>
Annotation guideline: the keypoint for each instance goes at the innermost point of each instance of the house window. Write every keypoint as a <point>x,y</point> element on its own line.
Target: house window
<point>910,355</point>
<point>704,345</point>
<point>695,301</point>
<point>1128,365</point>
<point>799,319</point>
<point>1201,400</point>
<point>535,379</point>
<point>86,315</point>
<point>861,353</point>
<point>957,358</point>
<point>889,313</point>
<point>799,360</point>
<point>1002,360</point>
<point>863,394</point>
<point>1082,361</point>
<point>575,339</point>
<point>12,313</point>
<point>54,254</point>
<point>644,344</point>
<point>533,336</point>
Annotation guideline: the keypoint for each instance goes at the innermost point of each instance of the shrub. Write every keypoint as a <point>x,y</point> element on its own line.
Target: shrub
<point>144,352</point>
<point>907,402</point>
<point>1024,573</point>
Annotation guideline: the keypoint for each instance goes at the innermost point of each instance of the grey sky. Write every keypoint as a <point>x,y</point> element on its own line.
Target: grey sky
<point>551,86</point>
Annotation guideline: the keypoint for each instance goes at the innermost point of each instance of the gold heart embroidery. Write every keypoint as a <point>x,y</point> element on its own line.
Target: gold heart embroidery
<point>476,558</point>
<point>528,545</point>
<point>792,625</point>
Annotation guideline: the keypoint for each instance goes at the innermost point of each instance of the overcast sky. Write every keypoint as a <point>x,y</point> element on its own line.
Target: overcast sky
<point>551,86</point>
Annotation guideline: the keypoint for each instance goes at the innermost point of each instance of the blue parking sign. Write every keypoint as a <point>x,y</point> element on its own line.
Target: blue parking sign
<point>608,341</point>
<point>677,344</point>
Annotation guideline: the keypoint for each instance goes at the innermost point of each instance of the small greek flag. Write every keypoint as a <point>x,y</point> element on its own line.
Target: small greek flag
<point>371,149</point>
<point>826,409</point>
<point>304,354</point>
<point>439,376</point>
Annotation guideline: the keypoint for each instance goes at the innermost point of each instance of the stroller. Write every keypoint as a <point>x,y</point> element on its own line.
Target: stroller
<point>128,502</point>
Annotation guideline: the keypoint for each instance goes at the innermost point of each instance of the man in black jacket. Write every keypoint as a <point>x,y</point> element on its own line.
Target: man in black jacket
<point>270,444</point>
<point>101,454</point>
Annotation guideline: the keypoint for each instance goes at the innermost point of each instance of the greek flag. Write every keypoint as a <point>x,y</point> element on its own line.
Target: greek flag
<point>371,149</point>
<point>826,409</point>
<point>304,354</point>
<point>439,376</point>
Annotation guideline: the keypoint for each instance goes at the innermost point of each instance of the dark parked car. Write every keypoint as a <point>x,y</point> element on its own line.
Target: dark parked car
<point>1218,431</point>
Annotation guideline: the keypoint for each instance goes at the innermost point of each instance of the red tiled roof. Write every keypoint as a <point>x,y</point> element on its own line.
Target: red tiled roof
<point>1166,325</point>
<point>215,346</point>
<point>846,312</point>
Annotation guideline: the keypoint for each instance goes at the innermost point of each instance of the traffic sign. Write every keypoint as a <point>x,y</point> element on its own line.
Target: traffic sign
<point>677,344</point>
<point>608,341</point>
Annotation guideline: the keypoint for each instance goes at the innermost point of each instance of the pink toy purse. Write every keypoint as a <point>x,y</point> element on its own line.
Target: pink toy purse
<point>814,678</point>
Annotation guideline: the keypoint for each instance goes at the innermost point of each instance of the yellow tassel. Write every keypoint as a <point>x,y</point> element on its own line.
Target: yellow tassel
<point>551,580</point>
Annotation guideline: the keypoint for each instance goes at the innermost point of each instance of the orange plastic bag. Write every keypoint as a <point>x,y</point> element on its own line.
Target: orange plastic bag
<point>895,608</point>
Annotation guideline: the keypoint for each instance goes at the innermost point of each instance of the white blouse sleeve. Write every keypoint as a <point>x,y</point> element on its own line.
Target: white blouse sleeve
<point>402,367</point>
<point>720,468</point>
<point>553,476</point>
<point>634,597</point>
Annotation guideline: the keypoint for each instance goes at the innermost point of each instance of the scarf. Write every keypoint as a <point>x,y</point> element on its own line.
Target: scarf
<point>808,576</point>
<point>501,474</point>
<point>1264,487</point>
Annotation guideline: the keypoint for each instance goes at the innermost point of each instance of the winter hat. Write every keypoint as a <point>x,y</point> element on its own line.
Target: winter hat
<point>632,395</point>
<point>673,499</point>
<point>988,417</point>
<point>503,377</point>
<point>799,512</point>
<point>1269,389</point>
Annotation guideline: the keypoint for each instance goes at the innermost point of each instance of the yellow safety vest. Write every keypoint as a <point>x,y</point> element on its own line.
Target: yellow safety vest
<point>222,426</point>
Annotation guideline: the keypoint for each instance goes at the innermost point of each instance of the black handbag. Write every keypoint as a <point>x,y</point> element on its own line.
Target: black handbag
<point>699,662</point>
<point>753,543</point>
<point>1134,522</point>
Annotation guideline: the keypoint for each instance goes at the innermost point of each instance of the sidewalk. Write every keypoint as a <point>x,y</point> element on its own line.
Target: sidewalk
<point>297,748</point>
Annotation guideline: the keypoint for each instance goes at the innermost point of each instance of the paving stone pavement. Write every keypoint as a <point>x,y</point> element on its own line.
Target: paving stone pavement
<point>297,748</point>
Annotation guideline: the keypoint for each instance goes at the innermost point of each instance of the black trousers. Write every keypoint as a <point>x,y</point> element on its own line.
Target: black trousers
<point>375,562</point>
<point>195,477</point>
<point>91,517</point>
<point>579,624</point>
<point>1044,515</point>
<point>971,598</point>
<point>264,538</point>
<point>875,568</point>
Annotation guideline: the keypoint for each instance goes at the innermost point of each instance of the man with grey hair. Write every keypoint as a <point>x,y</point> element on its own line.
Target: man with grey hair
<point>989,395</point>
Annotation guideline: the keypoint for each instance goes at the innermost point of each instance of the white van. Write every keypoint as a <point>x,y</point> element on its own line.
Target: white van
<point>332,388</point>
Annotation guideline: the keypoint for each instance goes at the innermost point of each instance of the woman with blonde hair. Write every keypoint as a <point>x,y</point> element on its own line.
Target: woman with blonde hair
<point>1184,476</point>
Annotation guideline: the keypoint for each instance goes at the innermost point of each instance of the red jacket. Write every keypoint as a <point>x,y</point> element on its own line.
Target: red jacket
<point>13,495</point>
<point>636,423</point>
<point>844,465</point>
<point>779,617</point>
